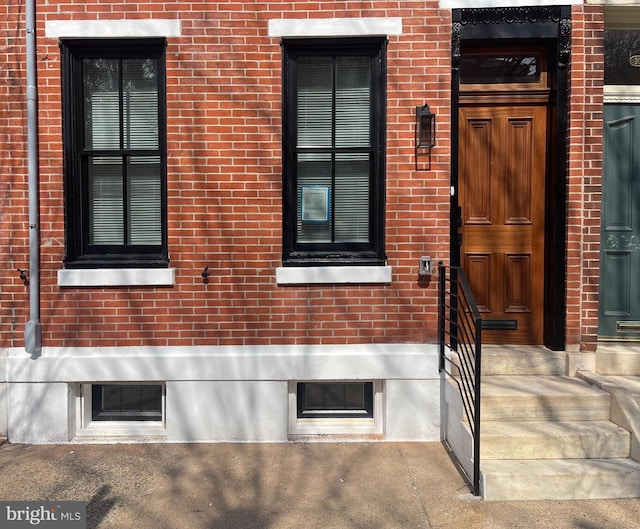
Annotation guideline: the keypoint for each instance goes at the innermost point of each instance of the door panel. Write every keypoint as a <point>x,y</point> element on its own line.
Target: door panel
<point>620,235</point>
<point>501,193</point>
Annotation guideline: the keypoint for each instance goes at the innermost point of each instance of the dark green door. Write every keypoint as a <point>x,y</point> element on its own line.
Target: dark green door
<point>620,239</point>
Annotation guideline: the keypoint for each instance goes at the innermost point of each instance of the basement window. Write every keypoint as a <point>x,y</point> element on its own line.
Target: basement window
<point>121,410</point>
<point>129,402</point>
<point>335,399</point>
<point>340,408</point>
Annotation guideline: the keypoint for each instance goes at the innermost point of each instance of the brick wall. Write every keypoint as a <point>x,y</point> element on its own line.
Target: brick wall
<point>14,243</point>
<point>225,186</point>
<point>585,175</point>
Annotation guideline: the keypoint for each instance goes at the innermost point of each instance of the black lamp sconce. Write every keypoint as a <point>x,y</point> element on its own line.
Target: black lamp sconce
<point>425,131</point>
<point>24,277</point>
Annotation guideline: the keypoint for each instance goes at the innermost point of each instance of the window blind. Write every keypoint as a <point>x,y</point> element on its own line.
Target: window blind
<point>121,115</point>
<point>333,144</point>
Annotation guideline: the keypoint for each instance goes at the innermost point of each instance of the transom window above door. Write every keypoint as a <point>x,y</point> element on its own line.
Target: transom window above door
<point>115,150</point>
<point>512,68</point>
<point>622,57</point>
<point>333,159</point>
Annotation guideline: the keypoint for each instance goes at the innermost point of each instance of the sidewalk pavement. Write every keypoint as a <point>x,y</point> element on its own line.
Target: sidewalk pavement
<point>280,486</point>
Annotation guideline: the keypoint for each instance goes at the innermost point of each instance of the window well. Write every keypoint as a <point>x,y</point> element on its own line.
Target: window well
<point>129,402</point>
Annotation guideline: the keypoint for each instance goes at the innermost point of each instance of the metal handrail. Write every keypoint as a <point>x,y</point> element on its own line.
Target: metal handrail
<point>460,331</point>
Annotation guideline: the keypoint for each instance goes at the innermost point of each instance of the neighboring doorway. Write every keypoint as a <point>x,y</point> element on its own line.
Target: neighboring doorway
<point>503,170</point>
<point>619,314</point>
<point>620,237</point>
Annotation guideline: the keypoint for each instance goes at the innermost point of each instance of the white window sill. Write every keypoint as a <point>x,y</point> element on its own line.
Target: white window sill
<point>119,429</point>
<point>338,427</point>
<point>333,274</point>
<point>116,277</point>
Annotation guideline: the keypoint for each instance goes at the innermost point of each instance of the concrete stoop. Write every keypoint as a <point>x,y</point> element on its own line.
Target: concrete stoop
<point>549,436</point>
<point>560,479</point>
<point>553,440</point>
<point>615,358</point>
<point>630,382</point>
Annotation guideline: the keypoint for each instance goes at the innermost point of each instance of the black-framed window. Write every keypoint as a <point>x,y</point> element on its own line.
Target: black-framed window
<point>115,152</point>
<point>334,151</point>
<point>621,57</point>
<point>127,402</point>
<point>500,67</point>
<point>334,400</point>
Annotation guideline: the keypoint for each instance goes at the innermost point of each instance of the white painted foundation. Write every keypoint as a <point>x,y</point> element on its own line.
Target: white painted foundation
<point>3,394</point>
<point>218,394</point>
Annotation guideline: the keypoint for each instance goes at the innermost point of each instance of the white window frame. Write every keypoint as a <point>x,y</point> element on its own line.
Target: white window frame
<point>328,428</point>
<point>88,428</point>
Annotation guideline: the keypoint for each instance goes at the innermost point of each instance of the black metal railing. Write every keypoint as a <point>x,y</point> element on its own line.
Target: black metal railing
<point>460,338</point>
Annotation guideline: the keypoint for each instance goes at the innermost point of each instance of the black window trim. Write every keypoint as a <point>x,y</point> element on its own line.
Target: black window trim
<point>299,254</point>
<point>366,412</point>
<point>78,253</point>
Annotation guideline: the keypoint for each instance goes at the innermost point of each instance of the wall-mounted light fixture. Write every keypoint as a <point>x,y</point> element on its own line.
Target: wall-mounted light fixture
<point>24,277</point>
<point>425,128</point>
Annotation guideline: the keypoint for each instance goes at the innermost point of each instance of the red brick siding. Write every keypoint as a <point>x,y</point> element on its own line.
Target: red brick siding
<point>224,110</point>
<point>14,244</point>
<point>585,175</point>
<point>224,186</point>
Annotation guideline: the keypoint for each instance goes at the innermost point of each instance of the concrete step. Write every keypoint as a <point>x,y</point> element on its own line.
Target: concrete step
<point>522,360</point>
<point>532,398</point>
<point>632,383</point>
<point>553,440</point>
<point>617,358</point>
<point>560,479</point>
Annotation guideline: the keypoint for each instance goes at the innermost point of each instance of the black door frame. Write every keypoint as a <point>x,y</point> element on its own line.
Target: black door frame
<point>551,27</point>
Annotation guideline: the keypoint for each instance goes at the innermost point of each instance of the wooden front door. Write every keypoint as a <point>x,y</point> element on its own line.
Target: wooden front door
<point>502,167</point>
<point>620,236</point>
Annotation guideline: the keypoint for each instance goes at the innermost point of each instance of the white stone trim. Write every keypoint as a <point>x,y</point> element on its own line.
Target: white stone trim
<point>622,94</point>
<point>464,4</point>
<point>245,388</point>
<point>274,362</point>
<point>3,394</point>
<point>129,431</point>
<point>614,3</point>
<point>116,277</point>
<point>57,29</point>
<point>334,27</point>
<point>333,274</point>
